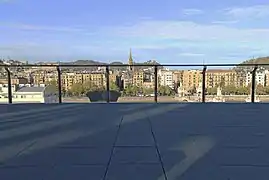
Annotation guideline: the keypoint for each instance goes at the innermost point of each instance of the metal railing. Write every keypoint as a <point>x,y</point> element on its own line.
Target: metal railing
<point>107,67</point>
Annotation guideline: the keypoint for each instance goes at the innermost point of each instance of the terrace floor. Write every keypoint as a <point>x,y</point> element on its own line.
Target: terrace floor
<point>134,141</point>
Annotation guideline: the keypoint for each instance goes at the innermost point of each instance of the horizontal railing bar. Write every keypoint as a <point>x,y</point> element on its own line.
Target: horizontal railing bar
<point>135,65</point>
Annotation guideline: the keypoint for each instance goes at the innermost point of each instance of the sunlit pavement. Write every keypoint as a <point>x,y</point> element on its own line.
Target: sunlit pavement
<point>134,141</point>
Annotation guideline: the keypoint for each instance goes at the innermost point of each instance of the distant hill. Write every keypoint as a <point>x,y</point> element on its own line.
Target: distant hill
<point>92,62</point>
<point>261,60</point>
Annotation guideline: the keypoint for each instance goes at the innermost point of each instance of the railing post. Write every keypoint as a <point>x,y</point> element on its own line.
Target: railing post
<point>203,84</point>
<point>107,85</point>
<point>156,83</point>
<point>9,85</point>
<point>253,84</point>
<point>59,84</point>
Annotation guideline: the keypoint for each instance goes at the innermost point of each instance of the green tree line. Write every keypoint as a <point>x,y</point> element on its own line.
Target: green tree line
<point>80,89</point>
<point>133,90</point>
<point>233,90</point>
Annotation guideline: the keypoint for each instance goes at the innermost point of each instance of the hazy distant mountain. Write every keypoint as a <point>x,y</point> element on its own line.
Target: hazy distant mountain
<point>92,62</point>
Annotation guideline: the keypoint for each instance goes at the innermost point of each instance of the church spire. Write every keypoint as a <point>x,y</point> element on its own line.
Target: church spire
<point>130,61</point>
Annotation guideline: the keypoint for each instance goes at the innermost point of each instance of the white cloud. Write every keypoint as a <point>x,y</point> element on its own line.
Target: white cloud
<point>224,22</point>
<point>258,11</point>
<point>30,27</point>
<point>190,12</point>
<point>191,54</point>
<point>186,30</point>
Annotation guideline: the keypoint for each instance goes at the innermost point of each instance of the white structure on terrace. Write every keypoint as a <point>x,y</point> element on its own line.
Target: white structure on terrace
<point>29,94</point>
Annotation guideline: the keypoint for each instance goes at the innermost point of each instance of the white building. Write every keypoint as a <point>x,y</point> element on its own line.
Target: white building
<point>260,77</point>
<point>166,78</point>
<point>30,94</point>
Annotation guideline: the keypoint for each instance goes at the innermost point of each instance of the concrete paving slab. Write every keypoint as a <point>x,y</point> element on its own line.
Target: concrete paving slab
<point>134,172</point>
<point>246,172</point>
<point>129,155</point>
<point>137,133</point>
<point>64,156</point>
<point>246,156</point>
<point>102,139</point>
<point>81,172</point>
<point>20,172</point>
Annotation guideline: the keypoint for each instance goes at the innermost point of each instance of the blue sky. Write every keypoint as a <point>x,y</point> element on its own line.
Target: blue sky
<point>170,31</point>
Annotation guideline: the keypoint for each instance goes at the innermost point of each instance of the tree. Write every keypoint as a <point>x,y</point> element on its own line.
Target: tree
<point>131,90</point>
<point>193,90</point>
<point>222,82</point>
<point>90,86</point>
<point>230,89</point>
<point>260,90</point>
<point>52,82</point>
<point>266,89</point>
<point>113,86</point>
<point>77,89</point>
<point>165,91</point>
<point>147,91</point>
<point>212,91</point>
<point>242,90</point>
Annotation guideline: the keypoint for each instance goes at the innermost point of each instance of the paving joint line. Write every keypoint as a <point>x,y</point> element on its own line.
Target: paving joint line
<point>113,148</point>
<point>21,151</point>
<point>157,148</point>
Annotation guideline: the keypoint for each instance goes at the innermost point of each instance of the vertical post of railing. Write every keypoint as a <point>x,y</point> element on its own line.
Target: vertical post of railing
<point>203,84</point>
<point>9,86</point>
<point>59,84</point>
<point>156,83</point>
<point>253,84</point>
<point>107,85</point>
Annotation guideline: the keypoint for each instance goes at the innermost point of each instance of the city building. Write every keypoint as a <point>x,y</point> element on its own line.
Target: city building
<point>191,79</point>
<point>221,77</point>
<point>138,78</point>
<point>260,78</point>
<point>177,76</point>
<point>166,78</point>
<point>267,78</point>
<point>14,80</point>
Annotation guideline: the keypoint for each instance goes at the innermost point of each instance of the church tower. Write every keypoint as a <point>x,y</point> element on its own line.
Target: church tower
<point>130,61</point>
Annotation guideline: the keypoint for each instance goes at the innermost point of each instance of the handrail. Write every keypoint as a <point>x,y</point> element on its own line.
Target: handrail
<point>135,65</point>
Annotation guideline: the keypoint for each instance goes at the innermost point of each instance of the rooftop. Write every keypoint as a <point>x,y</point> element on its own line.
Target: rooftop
<point>31,89</point>
<point>134,141</point>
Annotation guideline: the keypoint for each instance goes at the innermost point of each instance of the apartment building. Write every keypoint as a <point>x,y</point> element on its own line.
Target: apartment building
<point>221,77</point>
<point>260,78</point>
<point>138,78</point>
<point>70,78</point>
<point>42,77</point>
<point>177,76</point>
<point>166,78</point>
<point>191,79</point>
<point>14,80</point>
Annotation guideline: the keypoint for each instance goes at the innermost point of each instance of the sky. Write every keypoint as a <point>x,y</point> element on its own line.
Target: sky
<point>170,31</point>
